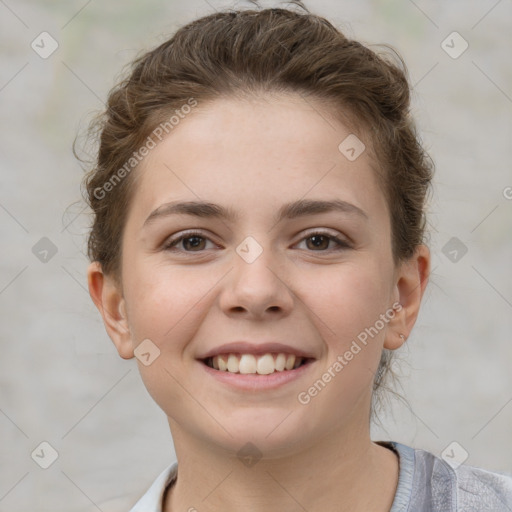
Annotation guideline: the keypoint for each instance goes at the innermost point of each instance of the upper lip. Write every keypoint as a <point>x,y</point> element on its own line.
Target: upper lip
<point>245,347</point>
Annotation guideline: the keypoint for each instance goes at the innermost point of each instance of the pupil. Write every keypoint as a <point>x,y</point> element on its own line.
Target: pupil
<point>197,240</point>
<point>317,237</point>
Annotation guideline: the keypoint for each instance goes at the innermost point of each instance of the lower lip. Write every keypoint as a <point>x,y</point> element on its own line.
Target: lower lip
<point>255,382</point>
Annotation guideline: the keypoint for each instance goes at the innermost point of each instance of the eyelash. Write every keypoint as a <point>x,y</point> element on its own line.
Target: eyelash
<point>170,245</point>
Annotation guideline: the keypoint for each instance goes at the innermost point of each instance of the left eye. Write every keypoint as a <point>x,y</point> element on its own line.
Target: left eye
<point>319,241</point>
<point>195,241</point>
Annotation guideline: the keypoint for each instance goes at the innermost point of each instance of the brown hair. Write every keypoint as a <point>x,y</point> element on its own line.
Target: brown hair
<point>237,53</point>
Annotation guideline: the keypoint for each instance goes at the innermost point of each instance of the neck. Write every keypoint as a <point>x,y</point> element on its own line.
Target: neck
<point>343,473</point>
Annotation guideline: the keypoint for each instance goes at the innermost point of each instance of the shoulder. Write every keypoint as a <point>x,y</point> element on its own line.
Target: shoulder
<point>429,483</point>
<point>484,488</point>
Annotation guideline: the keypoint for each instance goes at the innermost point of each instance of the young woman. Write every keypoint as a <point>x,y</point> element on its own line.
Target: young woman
<point>259,246</point>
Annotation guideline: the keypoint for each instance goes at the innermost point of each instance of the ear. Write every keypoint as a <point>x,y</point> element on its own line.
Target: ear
<point>411,281</point>
<point>109,300</point>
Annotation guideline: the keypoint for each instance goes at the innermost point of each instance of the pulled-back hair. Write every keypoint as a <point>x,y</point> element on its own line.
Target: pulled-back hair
<point>252,52</point>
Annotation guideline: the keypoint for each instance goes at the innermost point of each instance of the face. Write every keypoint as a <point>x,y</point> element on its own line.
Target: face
<point>313,278</point>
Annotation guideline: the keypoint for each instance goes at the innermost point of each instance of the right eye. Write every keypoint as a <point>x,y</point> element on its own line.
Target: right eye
<point>192,239</point>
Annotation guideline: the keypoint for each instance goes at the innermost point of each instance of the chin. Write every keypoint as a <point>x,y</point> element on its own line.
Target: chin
<point>269,437</point>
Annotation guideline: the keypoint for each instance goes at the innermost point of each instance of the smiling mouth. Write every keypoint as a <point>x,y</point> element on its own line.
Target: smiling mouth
<point>264,364</point>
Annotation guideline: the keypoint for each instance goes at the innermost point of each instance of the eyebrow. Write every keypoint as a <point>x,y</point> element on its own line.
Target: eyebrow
<point>300,208</point>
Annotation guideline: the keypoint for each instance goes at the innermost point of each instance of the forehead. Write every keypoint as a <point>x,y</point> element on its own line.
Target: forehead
<point>256,152</point>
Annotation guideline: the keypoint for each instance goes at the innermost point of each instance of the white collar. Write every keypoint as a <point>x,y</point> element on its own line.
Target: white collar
<point>152,501</point>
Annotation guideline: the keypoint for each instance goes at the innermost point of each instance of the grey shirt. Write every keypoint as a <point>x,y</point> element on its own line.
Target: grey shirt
<point>426,483</point>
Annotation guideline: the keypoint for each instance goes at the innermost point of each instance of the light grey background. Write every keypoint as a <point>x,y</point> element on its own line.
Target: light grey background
<point>61,380</point>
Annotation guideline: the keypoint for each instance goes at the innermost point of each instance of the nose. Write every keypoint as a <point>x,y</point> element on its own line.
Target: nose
<point>257,286</point>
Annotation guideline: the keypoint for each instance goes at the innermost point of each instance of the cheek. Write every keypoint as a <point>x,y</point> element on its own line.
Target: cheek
<point>348,306</point>
<point>350,298</point>
<point>164,304</point>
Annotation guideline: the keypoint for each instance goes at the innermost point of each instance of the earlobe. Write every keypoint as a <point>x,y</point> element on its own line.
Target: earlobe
<point>412,279</point>
<point>110,302</point>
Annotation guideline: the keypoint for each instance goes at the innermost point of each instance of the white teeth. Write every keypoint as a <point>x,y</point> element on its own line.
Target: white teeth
<point>280,362</point>
<point>233,363</point>
<point>222,364</point>
<point>247,364</point>
<point>261,365</point>
<point>290,361</point>
<point>265,365</point>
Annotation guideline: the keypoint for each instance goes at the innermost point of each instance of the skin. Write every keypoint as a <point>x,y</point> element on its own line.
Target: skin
<point>254,156</point>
